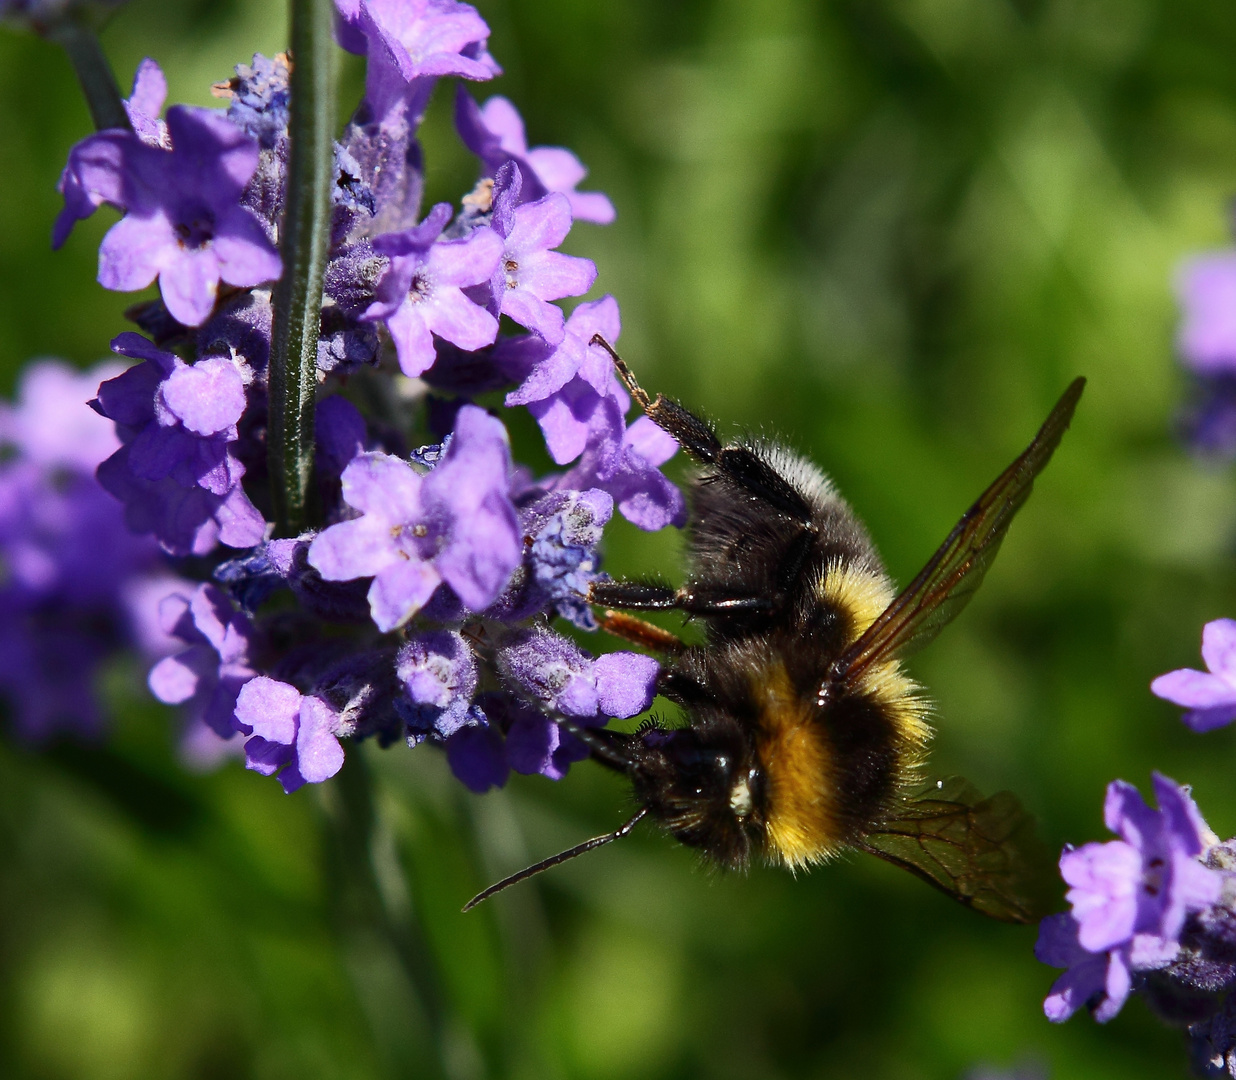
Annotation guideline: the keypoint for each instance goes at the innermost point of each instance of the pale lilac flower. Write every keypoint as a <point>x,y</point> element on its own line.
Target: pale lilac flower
<point>551,368</point>
<point>184,223</point>
<point>1146,882</point>
<point>454,525</point>
<point>495,134</point>
<point>175,472</point>
<point>624,461</point>
<point>530,273</point>
<point>439,673</point>
<point>1206,289</point>
<point>259,98</point>
<point>555,672</point>
<point>410,44</point>
<point>421,293</point>
<point>1210,696</point>
<point>291,734</point>
<point>207,676</point>
<point>145,105</point>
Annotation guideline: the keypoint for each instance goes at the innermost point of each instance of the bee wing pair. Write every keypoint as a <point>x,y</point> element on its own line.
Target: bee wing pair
<point>982,852</point>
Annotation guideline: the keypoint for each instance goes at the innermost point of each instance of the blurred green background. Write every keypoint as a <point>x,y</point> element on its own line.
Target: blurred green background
<point>888,230</point>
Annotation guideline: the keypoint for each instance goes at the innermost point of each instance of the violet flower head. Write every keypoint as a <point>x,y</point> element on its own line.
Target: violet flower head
<point>295,735</point>
<point>1131,899</point>
<point>495,134</point>
<point>421,292</point>
<point>259,98</point>
<point>439,674</point>
<point>530,273</point>
<point>554,671</point>
<point>1206,289</point>
<point>409,45</point>
<point>175,472</point>
<point>455,525</point>
<point>184,223</point>
<point>1146,882</point>
<point>206,676</point>
<point>1209,696</point>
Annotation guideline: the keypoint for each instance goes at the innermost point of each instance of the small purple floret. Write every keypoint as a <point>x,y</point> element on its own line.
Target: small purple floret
<point>184,223</point>
<point>1210,696</point>
<point>291,734</point>
<point>455,524</point>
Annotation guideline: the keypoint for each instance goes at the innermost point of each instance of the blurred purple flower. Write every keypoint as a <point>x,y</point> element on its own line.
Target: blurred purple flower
<point>175,472</point>
<point>456,524</point>
<point>259,98</point>
<point>530,274</point>
<point>1206,289</point>
<point>291,734</point>
<point>1210,696</point>
<point>207,676</point>
<point>495,134</point>
<point>421,292</point>
<point>77,583</point>
<point>184,223</point>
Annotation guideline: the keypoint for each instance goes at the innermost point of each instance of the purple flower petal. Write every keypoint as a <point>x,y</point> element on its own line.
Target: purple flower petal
<point>318,752</point>
<point>269,709</point>
<point>626,683</point>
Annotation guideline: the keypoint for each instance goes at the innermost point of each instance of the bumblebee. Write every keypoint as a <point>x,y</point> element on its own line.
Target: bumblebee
<point>805,738</point>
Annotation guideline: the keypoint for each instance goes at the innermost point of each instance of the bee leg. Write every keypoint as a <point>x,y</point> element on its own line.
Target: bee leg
<point>650,596</point>
<point>695,435</point>
<point>639,632</point>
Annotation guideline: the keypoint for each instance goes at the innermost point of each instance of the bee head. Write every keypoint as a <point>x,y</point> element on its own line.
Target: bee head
<point>703,787</point>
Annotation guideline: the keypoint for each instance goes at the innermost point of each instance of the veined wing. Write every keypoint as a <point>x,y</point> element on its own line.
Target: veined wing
<point>983,852</point>
<point>945,585</point>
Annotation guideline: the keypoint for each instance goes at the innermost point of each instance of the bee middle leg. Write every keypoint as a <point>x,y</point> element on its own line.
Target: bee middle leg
<point>639,632</point>
<point>651,596</point>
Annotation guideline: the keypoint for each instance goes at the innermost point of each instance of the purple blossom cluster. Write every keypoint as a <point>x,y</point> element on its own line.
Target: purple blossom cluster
<point>78,587</point>
<point>1206,344</point>
<point>419,605</point>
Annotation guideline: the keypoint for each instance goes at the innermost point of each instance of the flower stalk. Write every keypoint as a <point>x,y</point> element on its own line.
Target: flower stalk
<point>304,245</point>
<point>93,72</point>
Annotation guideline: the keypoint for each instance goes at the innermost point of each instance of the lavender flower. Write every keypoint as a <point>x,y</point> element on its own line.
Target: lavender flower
<point>495,134</point>
<point>145,105</point>
<point>1130,899</point>
<point>206,676</point>
<point>176,472</point>
<point>564,679</point>
<point>530,274</point>
<point>184,223</point>
<point>421,292</point>
<point>291,734</point>
<point>439,673</point>
<point>455,525</point>
<point>1210,696</point>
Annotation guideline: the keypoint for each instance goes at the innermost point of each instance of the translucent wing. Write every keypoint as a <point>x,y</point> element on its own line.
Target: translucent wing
<point>982,852</point>
<point>944,586</point>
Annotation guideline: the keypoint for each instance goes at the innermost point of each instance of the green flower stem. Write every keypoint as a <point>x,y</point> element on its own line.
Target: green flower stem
<point>93,72</point>
<point>304,248</point>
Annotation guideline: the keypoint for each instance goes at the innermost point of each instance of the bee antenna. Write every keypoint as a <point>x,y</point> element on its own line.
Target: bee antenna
<point>602,749</point>
<point>561,857</point>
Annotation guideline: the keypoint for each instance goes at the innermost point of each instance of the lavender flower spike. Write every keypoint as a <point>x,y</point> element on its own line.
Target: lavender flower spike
<point>531,273</point>
<point>456,524</point>
<point>421,293</point>
<point>1206,288</point>
<point>1210,696</point>
<point>184,223</point>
